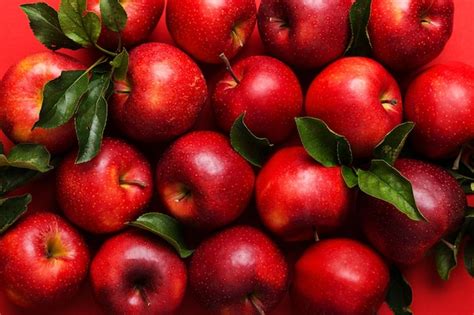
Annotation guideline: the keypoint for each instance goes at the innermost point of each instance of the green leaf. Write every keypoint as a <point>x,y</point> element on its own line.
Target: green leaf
<point>252,148</point>
<point>349,175</point>
<point>166,227</point>
<point>359,15</point>
<point>113,15</point>
<point>469,256</point>
<point>12,178</point>
<point>11,210</point>
<point>323,144</point>
<point>384,182</point>
<point>120,65</point>
<point>92,118</point>
<point>469,212</point>
<point>445,259</point>
<point>390,147</point>
<point>44,23</point>
<point>83,29</point>
<point>28,156</point>
<point>399,296</point>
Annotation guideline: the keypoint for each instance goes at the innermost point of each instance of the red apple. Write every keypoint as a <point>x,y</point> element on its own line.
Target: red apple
<point>162,97</point>
<point>441,103</point>
<point>43,261</point>
<point>440,200</point>
<point>306,34</point>
<point>297,197</point>
<point>339,277</point>
<point>408,34</point>
<point>358,99</point>
<point>266,90</point>
<point>134,274</point>
<point>21,96</point>
<point>203,182</point>
<point>238,271</point>
<point>100,196</point>
<point>207,28</point>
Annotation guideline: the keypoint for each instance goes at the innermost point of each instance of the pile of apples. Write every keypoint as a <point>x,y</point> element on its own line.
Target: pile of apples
<point>281,172</point>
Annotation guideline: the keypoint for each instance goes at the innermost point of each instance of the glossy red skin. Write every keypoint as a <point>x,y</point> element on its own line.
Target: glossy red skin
<point>318,32</point>
<point>142,18</point>
<point>203,28</point>
<point>91,195</point>
<point>21,96</point>
<point>399,38</point>
<point>269,93</point>
<point>438,197</point>
<point>339,277</point>
<point>167,94</point>
<point>348,96</point>
<point>441,103</point>
<point>234,264</point>
<point>31,279</point>
<point>219,180</point>
<point>130,259</point>
<point>297,196</point>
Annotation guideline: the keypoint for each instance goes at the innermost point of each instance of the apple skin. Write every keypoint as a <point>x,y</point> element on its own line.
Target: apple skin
<point>416,33</point>
<point>297,196</point>
<point>207,28</point>
<point>100,196</point>
<point>339,277</point>
<point>305,34</point>
<point>237,263</point>
<point>136,274</point>
<point>142,18</point>
<point>269,93</point>
<point>439,198</point>
<point>166,93</point>
<point>441,103</point>
<point>21,97</point>
<point>353,95</point>
<point>203,182</point>
<point>29,277</point>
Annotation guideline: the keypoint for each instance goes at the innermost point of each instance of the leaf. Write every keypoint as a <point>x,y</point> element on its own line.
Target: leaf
<point>11,210</point>
<point>390,147</point>
<point>469,256</point>
<point>92,118</point>
<point>44,23</point>
<point>61,97</point>
<point>166,227</point>
<point>82,29</point>
<point>445,259</point>
<point>28,156</point>
<point>113,15</point>
<point>12,178</point>
<point>469,212</point>
<point>349,176</point>
<point>359,15</point>
<point>384,182</point>
<point>252,148</point>
<point>120,65</point>
<point>323,144</point>
<point>399,296</point>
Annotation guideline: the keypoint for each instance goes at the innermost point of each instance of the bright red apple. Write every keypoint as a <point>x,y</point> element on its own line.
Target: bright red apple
<point>100,196</point>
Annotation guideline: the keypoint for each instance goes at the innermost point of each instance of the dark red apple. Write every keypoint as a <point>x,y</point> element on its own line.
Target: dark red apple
<point>203,182</point>
<point>100,196</point>
<point>358,99</point>
<point>440,200</point>
<point>238,271</point>
<point>43,261</point>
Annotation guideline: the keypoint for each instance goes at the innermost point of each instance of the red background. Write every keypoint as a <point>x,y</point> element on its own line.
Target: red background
<point>431,295</point>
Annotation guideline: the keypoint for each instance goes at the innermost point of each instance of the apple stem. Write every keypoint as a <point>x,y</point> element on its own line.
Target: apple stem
<point>182,196</point>
<point>257,304</point>
<point>134,182</point>
<point>229,67</point>
<point>391,102</point>
<point>144,296</point>
<point>451,246</point>
<point>316,235</point>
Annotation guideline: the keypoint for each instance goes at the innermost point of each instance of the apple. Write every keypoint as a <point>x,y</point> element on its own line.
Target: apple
<point>100,196</point>
<point>339,276</point>
<point>408,34</point>
<point>162,97</point>
<point>21,97</point>
<point>43,261</point>
<point>298,198</point>
<point>266,90</point>
<point>440,200</point>
<point>441,103</point>
<point>305,34</point>
<point>358,99</point>
<point>203,182</point>
<point>142,18</point>
<point>207,28</point>
<point>135,274</point>
<point>238,271</point>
